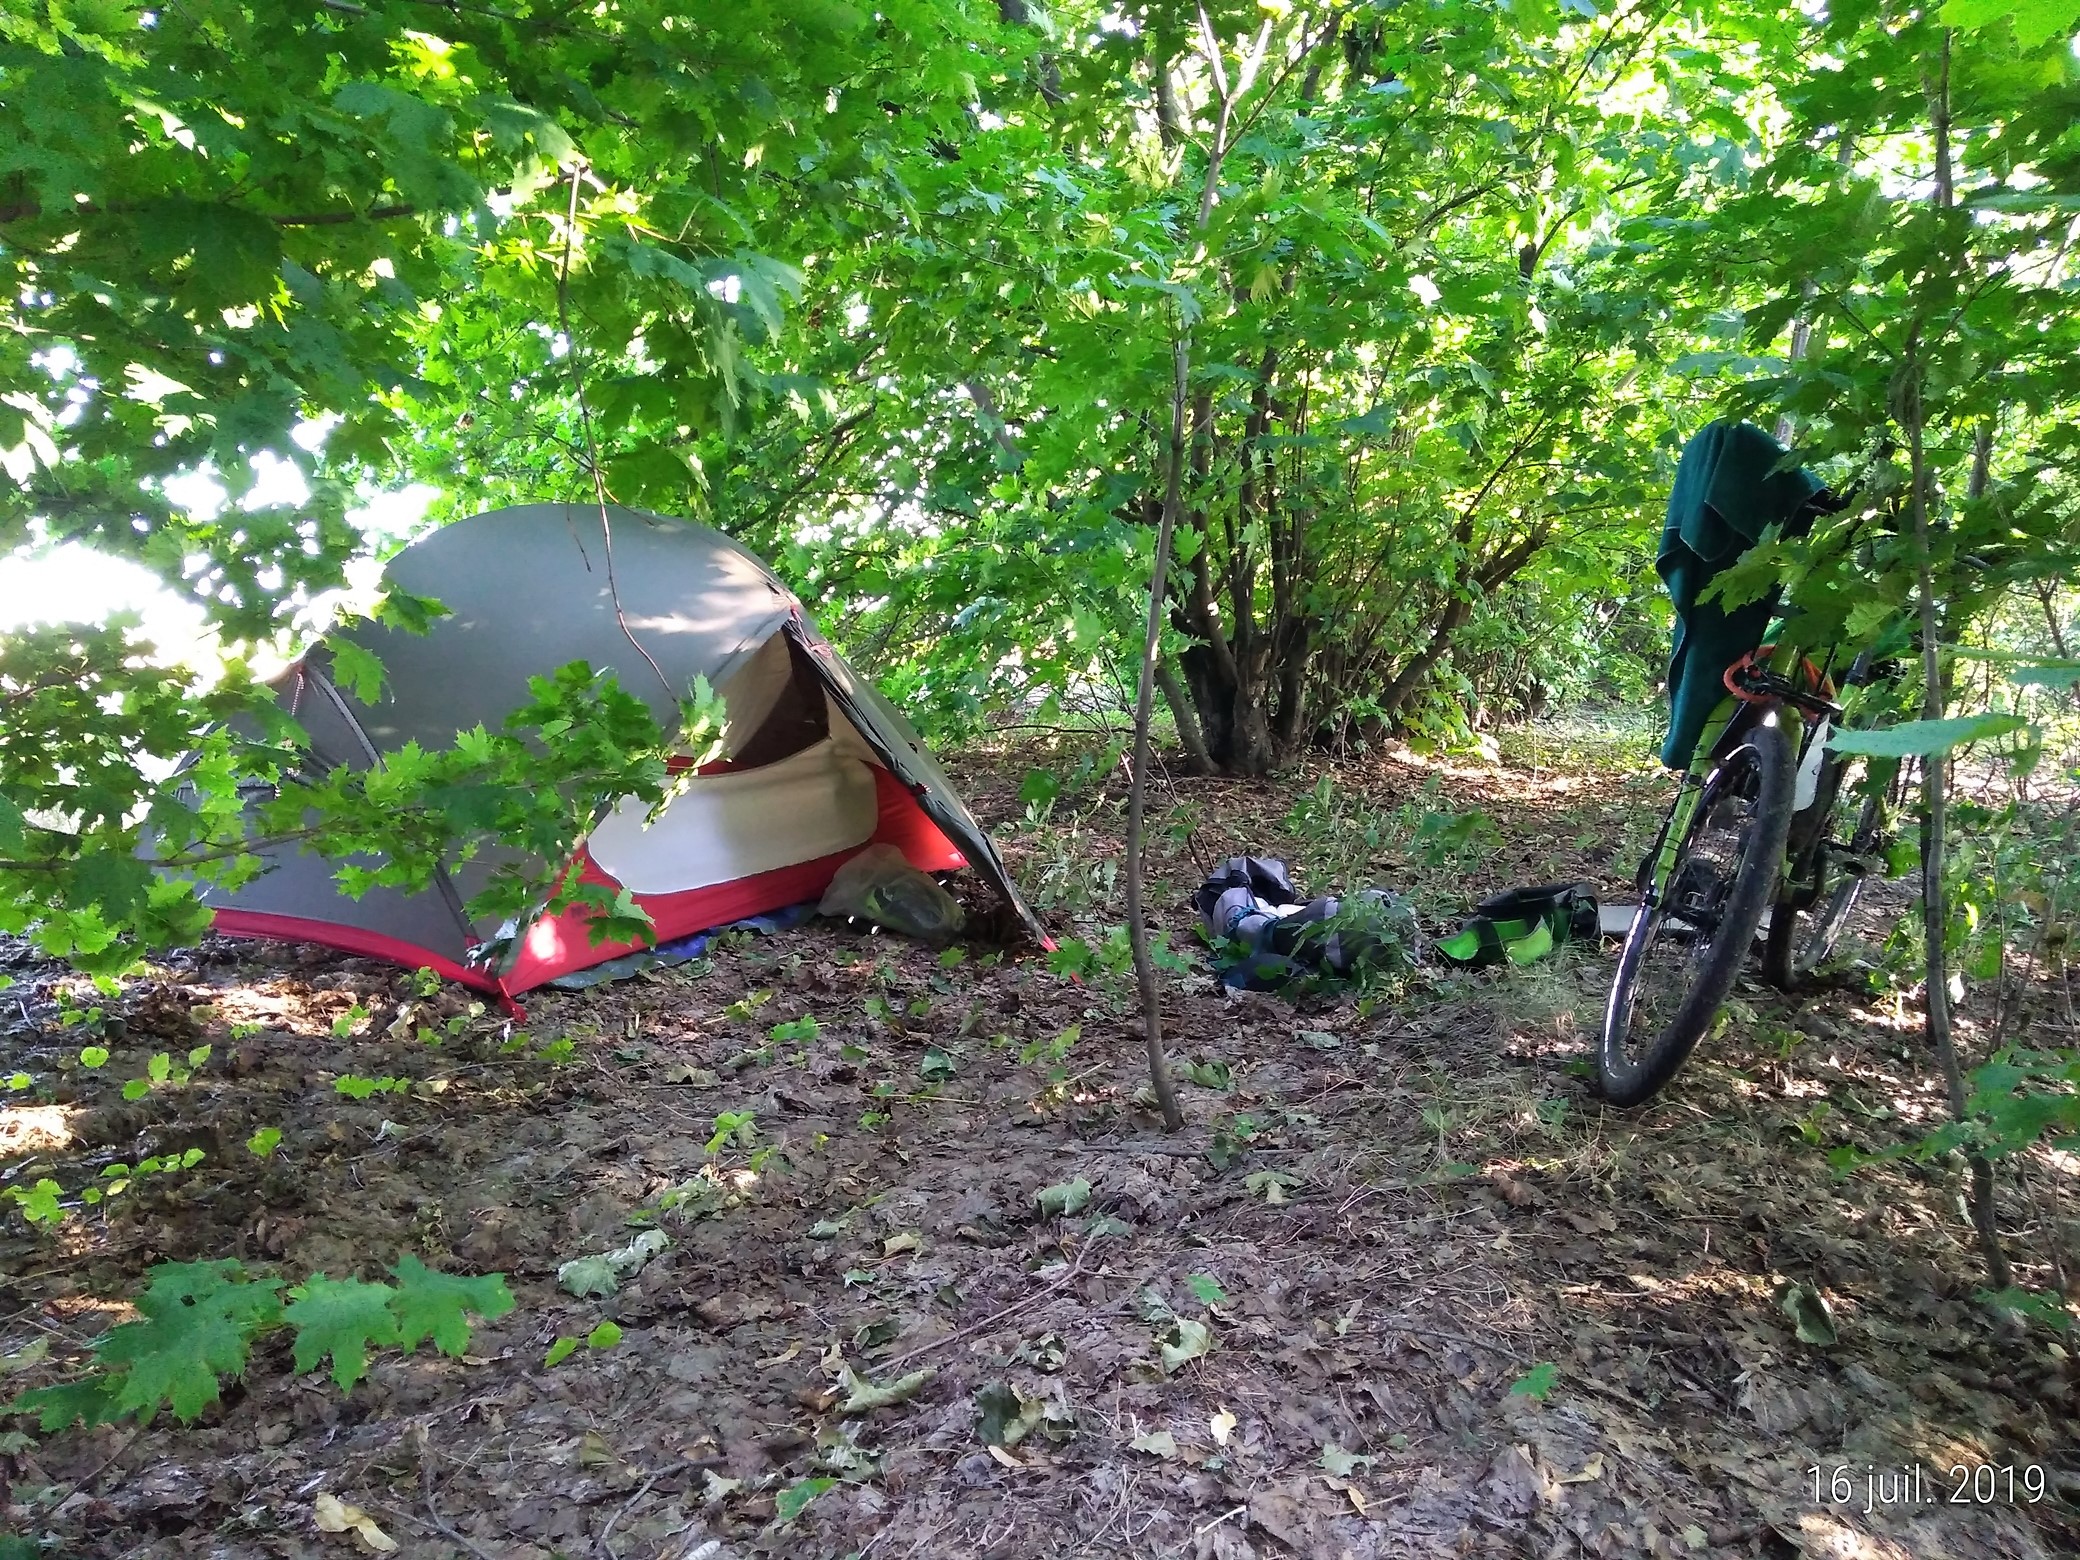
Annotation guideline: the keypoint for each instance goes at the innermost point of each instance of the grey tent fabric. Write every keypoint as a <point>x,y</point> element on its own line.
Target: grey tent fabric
<point>527,590</point>
<point>301,885</point>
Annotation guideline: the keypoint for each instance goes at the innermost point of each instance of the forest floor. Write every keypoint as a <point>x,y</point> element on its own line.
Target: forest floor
<point>1404,1286</point>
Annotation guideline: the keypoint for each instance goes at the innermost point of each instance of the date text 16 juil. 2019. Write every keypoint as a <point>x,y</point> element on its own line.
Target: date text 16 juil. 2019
<point>1910,1484</point>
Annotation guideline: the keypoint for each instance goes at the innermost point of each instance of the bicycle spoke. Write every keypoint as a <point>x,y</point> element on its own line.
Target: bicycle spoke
<point>1688,942</point>
<point>1840,865</point>
<point>1687,927</point>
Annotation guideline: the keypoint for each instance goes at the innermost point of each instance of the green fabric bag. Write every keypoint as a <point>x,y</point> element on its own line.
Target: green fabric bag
<point>1728,491</point>
<point>1522,926</point>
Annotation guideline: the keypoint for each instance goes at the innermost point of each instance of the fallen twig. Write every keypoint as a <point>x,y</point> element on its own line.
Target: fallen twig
<point>1075,1268</point>
<point>431,1523</point>
<point>627,1506</point>
<point>427,1482</point>
<point>100,1468</point>
<point>1227,1516</point>
<point>1491,1346</point>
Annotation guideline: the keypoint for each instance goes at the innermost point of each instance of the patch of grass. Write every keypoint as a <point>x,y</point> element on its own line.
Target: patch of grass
<point>1620,738</point>
<point>1558,1000</point>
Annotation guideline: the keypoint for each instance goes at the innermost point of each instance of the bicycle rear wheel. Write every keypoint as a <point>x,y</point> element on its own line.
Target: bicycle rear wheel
<point>1831,871</point>
<point>1689,938</point>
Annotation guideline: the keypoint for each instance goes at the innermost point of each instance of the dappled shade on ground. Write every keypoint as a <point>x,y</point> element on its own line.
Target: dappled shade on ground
<point>1403,1287</point>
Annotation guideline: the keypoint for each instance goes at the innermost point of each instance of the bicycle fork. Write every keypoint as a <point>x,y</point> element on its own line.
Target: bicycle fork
<point>1660,863</point>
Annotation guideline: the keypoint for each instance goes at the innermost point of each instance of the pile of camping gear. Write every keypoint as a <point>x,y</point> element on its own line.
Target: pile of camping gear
<point>1268,936</point>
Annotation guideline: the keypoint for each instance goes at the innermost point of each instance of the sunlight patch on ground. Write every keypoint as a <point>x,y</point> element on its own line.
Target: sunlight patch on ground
<point>35,1129</point>
<point>1622,1294</point>
<point>1924,1104</point>
<point>250,1002</point>
<point>1824,1534</point>
<point>1899,1022</point>
<point>1453,767</point>
<point>73,1308</point>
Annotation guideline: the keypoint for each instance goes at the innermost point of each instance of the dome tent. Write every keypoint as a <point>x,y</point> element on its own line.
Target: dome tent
<point>816,765</point>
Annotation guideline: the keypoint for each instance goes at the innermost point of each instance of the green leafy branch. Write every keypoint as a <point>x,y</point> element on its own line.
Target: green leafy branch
<point>2018,1098</point>
<point>538,784</point>
<point>199,1321</point>
<point>42,1202</point>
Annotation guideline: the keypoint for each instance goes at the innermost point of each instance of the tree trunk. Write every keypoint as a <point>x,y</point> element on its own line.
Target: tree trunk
<point>1935,909</point>
<point>1189,737</point>
<point>1418,666</point>
<point>1239,663</point>
<point>1015,13</point>
<point>1159,582</point>
<point>1293,651</point>
<point>1235,725</point>
<point>2047,597</point>
<point>1475,577</point>
<point>1166,103</point>
<point>1219,670</point>
<point>1801,338</point>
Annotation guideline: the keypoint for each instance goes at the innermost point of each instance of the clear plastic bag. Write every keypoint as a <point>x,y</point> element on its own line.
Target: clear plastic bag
<point>881,886</point>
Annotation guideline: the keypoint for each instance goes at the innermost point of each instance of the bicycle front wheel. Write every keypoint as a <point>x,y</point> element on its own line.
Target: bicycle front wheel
<point>1695,927</point>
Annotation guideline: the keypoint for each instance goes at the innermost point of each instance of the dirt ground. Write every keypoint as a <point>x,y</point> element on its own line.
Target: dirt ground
<point>1404,1286</point>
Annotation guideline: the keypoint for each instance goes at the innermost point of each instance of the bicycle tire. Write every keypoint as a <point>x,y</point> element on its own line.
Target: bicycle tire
<point>1763,758</point>
<point>1801,940</point>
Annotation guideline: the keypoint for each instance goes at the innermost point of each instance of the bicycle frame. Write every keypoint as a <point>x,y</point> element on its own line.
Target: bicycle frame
<point>1729,721</point>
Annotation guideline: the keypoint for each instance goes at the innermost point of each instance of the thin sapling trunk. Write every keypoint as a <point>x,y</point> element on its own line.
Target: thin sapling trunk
<point>1935,774</point>
<point>1228,94</point>
<point>1144,708</point>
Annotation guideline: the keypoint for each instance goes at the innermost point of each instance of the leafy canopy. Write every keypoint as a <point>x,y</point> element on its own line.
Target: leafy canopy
<point>892,294</point>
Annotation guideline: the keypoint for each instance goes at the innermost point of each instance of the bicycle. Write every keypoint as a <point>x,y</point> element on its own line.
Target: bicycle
<point>1737,843</point>
<point>1837,844</point>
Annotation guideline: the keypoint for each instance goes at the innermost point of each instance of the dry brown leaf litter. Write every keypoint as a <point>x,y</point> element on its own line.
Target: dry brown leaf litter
<point>1308,1350</point>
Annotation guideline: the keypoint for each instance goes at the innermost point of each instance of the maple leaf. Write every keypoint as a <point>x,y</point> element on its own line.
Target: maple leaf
<point>89,1400</point>
<point>170,1284</point>
<point>174,1360</point>
<point>430,1304</point>
<point>340,1317</point>
<point>198,1323</point>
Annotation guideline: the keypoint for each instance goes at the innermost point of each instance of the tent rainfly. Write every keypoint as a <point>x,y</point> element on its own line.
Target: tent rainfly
<point>816,764</point>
